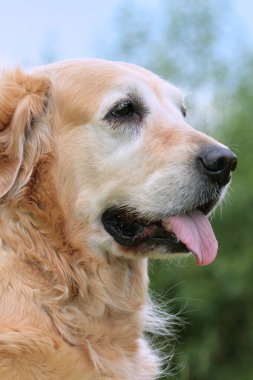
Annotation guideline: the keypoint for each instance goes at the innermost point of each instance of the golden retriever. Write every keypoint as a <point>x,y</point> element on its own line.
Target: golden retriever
<point>99,170</point>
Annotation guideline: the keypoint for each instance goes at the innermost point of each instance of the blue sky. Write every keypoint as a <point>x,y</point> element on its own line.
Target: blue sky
<point>33,29</point>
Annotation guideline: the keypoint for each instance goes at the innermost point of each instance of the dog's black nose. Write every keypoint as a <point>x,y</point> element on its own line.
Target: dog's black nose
<point>217,163</point>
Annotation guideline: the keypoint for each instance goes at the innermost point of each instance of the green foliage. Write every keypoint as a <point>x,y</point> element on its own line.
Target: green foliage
<point>189,42</point>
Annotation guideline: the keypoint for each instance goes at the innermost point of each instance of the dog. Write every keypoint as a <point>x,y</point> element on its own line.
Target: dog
<point>99,171</point>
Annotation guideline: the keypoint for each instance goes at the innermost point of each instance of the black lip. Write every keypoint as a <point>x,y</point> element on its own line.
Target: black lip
<point>208,206</point>
<point>130,230</point>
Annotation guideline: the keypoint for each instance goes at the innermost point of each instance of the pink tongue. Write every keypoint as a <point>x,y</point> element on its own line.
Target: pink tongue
<point>196,233</point>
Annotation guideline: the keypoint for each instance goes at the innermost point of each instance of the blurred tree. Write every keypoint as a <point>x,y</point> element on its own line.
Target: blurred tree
<point>195,44</point>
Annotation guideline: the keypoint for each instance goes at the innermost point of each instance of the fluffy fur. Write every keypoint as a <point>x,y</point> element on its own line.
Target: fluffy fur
<point>73,304</point>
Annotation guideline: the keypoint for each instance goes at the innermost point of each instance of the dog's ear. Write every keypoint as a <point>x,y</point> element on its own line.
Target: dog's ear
<point>23,101</point>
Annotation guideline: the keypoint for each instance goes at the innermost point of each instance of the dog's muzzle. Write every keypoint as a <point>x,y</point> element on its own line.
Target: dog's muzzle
<point>187,230</point>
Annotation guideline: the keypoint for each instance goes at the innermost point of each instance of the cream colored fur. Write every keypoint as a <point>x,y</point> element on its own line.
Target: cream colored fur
<point>73,303</point>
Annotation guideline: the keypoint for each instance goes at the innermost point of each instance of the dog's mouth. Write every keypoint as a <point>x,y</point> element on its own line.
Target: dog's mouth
<point>188,232</point>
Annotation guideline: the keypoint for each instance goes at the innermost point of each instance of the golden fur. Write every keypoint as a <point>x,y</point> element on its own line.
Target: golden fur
<point>74,305</point>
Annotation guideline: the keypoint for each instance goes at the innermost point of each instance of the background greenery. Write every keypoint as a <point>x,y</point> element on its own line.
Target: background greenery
<point>193,44</point>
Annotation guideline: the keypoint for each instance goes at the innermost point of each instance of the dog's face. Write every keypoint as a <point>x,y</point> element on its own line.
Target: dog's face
<point>129,165</point>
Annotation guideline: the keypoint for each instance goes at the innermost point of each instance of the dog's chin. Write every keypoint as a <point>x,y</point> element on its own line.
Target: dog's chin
<point>137,236</point>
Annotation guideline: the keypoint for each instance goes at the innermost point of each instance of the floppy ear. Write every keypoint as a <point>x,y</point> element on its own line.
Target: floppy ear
<point>23,101</point>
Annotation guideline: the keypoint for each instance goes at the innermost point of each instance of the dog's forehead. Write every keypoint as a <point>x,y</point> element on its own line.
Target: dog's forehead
<point>159,86</point>
<point>94,73</point>
<point>143,81</point>
<point>81,85</point>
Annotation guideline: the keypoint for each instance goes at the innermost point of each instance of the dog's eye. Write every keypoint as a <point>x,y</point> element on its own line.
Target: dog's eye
<point>128,113</point>
<point>123,109</point>
<point>184,112</point>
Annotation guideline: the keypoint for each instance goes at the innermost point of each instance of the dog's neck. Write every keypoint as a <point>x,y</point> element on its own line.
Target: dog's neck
<point>86,293</point>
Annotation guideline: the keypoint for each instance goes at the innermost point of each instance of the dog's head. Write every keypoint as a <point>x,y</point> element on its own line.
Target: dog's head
<point>128,165</point>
